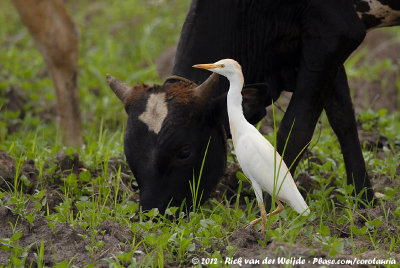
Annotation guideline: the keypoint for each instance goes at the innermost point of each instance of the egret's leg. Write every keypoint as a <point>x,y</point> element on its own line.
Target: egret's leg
<point>253,222</point>
<point>277,210</point>
<point>258,193</point>
<point>264,215</point>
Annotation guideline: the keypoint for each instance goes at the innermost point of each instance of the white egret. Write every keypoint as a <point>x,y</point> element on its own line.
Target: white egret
<point>254,153</point>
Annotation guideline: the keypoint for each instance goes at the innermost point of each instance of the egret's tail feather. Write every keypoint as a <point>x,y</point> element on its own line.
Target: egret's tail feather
<point>300,206</point>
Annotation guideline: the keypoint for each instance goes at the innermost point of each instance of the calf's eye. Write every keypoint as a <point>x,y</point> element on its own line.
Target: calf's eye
<point>184,153</point>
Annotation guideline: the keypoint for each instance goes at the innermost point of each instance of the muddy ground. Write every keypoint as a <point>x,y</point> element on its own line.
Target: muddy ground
<point>64,242</point>
<point>248,247</point>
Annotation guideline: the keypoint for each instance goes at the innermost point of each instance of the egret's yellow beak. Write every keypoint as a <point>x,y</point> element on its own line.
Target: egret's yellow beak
<point>208,66</point>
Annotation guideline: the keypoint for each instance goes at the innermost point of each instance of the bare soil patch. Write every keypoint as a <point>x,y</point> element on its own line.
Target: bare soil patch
<point>62,241</point>
<point>8,171</point>
<point>248,247</point>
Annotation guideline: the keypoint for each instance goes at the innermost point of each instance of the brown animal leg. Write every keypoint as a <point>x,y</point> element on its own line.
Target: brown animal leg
<point>56,37</point>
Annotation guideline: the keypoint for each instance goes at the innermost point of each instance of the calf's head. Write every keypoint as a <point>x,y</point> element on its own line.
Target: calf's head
<point>166,137</point>
<point>170,128</point>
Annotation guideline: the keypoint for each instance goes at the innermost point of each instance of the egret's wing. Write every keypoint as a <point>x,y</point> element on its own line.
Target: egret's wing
<point>256,157</point>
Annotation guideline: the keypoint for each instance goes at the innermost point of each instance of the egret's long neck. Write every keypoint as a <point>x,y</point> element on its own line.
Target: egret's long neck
<point>234,102</point>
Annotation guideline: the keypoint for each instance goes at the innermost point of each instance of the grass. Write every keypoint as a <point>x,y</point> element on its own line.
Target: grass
<point>124,38</point>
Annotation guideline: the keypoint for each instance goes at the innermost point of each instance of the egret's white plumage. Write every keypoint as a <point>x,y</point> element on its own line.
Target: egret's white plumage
<point>254,153</point>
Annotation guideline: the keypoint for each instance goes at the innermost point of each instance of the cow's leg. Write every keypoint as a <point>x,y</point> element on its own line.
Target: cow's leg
<point>339,109</point>
<point>332,31</point>
<point>57,40</point>
<point>302,114</point>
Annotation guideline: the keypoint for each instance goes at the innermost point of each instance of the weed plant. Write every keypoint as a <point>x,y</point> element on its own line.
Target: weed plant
<point>124,38</point>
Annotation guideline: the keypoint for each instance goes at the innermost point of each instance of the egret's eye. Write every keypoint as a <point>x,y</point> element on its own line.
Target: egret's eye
<point>222,65</point>
<point>184,153</point>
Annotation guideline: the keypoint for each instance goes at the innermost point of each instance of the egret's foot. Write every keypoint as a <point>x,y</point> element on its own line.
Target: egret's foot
<point>253,223</point>
<point>264,216</point>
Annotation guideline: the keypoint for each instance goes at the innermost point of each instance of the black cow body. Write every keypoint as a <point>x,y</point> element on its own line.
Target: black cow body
<point>293,45</point>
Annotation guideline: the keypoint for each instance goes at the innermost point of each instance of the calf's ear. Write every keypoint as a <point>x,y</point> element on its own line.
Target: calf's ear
<point>256,97</point>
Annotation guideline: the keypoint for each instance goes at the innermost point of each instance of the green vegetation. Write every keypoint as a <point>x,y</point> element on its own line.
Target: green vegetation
<point>95,199</point>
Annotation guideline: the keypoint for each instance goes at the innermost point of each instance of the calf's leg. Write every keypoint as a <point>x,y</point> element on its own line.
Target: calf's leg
<point>339,109</point>
<point>332,31</point>
<point>56,37</point>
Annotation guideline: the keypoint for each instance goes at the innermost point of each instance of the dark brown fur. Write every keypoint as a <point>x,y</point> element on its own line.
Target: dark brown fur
<point>181,92</point>
<point>136,92</point>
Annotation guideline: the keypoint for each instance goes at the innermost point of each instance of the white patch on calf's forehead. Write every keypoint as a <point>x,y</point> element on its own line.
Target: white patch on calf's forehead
<point>155,113</point>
